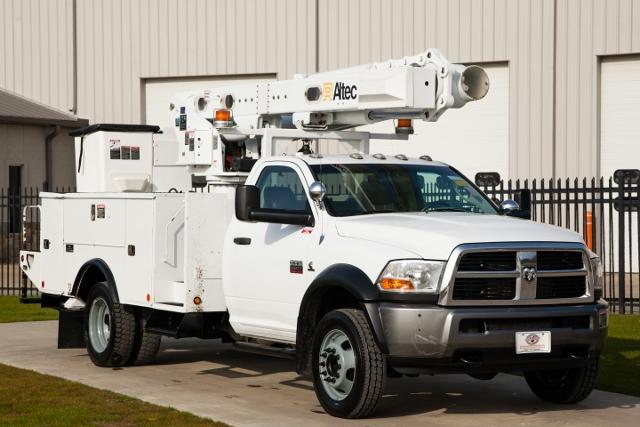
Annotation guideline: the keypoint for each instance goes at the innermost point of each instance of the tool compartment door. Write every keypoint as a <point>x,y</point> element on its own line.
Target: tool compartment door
<point>206,218</point>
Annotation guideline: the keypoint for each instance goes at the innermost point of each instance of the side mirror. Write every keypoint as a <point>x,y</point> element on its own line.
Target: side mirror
<point>247,199</point>
<point>512,208</point>
<point>509,206</point>
<point>317,191</point>
<point>248,209</point>
<point>523,198</point>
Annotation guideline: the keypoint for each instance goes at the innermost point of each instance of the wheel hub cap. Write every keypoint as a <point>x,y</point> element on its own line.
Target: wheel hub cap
<point>99,324</point>
<point>337,364</point>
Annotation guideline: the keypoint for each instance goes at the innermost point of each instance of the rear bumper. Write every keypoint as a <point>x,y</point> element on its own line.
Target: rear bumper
<point>431,339</point>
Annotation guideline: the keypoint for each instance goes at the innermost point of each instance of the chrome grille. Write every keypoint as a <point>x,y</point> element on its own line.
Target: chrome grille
<point>518,275</point>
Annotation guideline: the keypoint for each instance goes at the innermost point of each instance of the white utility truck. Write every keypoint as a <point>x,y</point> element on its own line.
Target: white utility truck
<point>259,217</point>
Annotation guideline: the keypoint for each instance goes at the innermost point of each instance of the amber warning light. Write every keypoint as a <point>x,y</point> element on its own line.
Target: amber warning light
<point>223,118</point>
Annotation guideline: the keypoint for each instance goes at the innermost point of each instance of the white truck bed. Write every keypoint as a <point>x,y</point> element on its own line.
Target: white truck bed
<point>163,249</point>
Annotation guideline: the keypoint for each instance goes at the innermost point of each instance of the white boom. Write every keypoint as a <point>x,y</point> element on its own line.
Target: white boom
<point>421,87</point>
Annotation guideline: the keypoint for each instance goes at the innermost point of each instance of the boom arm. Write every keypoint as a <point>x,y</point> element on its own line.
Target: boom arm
<point>419,87</point>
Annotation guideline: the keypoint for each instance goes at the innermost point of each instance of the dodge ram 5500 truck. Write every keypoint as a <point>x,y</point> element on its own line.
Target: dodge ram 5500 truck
<point>258,218</point>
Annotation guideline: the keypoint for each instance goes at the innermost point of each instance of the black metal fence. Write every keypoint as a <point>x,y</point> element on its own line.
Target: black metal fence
<point>19,229</point>
<point>604,211</point>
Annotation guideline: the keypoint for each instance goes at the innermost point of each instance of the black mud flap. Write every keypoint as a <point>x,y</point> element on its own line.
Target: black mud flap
<point>71,329</point>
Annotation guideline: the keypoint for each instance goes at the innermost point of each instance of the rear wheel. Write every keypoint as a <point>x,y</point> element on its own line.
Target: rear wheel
<point>109,328</point>
<point>348,368</point>
<point>564,385</point>
<point>146,345</point>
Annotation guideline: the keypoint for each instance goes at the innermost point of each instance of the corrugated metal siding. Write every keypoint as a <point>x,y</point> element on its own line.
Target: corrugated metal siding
<point>586,31</point>
<point>517,31</point>
<point>120,42</point>
<point>36,39</point>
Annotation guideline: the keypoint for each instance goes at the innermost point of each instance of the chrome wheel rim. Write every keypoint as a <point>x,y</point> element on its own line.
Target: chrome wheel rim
<point>337,364</point>
<point>99,324</point>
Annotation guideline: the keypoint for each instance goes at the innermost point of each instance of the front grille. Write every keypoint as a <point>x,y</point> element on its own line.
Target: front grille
<point>560,287</point>
<point>560,260</point>
<point>488,261</point>
<point>514,276</point>
<point>484,289</point>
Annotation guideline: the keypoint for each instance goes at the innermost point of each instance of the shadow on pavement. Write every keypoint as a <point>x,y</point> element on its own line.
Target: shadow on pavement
<point>453,394</point>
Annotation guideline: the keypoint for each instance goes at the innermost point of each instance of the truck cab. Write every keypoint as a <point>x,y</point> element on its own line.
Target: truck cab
<point>446,281</point>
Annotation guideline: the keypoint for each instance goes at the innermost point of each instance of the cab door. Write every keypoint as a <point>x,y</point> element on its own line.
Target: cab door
<point>267,265</point>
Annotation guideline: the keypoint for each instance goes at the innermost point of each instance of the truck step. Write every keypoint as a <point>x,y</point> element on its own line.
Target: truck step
<point>265,350</point>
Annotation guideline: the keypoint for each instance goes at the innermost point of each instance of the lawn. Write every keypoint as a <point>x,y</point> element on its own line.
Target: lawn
<point>28,398</point>
<point>11,310</point>
<point>620,362</point>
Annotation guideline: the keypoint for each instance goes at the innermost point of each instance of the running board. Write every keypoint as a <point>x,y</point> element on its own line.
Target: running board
<point>264,350</point>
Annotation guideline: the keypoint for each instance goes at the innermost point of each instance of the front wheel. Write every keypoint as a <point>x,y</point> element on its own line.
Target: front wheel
<point>348,368</point>
<point>564,385</point>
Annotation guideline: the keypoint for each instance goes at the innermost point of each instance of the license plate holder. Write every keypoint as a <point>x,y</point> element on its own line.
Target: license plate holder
<point>533,342</point>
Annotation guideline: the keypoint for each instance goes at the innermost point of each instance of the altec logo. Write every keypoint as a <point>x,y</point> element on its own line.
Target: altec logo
<point>338,91</point>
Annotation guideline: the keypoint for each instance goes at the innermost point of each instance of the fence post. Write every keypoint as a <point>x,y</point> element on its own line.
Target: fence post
<point>621,273</point>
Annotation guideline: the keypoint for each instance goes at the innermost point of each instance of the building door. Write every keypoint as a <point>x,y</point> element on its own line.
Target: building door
<point>15,183</point>
<point>619,135</point>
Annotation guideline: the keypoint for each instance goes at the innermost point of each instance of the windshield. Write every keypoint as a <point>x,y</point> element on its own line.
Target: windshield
<point>360,189</point>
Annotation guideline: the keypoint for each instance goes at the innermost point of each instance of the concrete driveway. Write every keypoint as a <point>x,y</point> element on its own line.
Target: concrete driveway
<point>213,380</point>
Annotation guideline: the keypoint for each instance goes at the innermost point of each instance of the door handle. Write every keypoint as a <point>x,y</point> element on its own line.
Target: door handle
<point>242,240</point>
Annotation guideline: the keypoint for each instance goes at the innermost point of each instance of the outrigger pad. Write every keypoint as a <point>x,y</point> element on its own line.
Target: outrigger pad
<point>71,329</point>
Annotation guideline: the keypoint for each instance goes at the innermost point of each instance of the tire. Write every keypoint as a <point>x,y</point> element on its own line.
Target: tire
<point>564,385</point>
<point>145,346</point>
<point>344,337</point>
<point>109,328</point>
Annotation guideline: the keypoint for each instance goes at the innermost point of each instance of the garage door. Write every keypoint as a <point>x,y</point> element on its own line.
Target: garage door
<point>159,92</point>
<point>620,104</point>
<point>620,133</point>
<point>474,138</point>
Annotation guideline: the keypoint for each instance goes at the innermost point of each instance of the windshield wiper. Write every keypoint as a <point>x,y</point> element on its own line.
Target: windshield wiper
<point>427,210</point>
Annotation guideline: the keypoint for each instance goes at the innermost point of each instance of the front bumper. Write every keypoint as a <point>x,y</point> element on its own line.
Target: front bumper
<point>432,339</point>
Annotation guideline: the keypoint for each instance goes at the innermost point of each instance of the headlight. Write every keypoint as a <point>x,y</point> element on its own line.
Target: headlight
<point>596,274</point>
<point>411,276</point>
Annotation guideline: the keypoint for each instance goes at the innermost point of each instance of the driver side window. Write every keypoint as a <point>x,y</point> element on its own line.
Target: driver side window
<point>280,188</point>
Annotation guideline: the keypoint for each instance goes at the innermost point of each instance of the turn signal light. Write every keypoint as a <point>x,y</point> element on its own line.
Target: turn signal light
<point>404,126</point>
<point>393,284</point>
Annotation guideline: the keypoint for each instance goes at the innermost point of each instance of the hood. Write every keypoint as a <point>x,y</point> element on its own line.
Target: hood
<point>434,235</point>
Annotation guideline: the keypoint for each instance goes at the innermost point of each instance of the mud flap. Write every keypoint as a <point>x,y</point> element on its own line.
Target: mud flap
<point>71,329</point>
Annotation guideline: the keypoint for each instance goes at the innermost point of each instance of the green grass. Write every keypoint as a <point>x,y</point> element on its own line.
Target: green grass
<point>11,310</point>
<point>620,362</point>
<point>28,398</point>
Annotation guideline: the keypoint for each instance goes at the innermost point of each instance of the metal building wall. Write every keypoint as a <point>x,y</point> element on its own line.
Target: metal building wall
<point>587,31</point>
<point>36,39</point>
<point>518,32</point>
<point>121,42</point>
